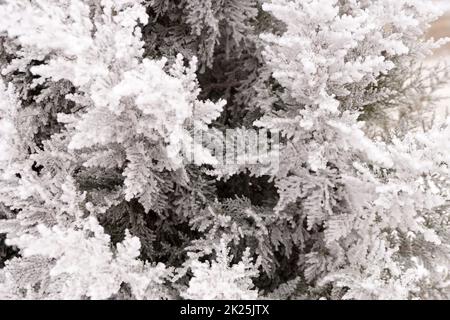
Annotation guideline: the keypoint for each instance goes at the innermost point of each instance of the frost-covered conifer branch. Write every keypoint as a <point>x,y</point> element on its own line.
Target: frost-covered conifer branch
<point>119,125</point>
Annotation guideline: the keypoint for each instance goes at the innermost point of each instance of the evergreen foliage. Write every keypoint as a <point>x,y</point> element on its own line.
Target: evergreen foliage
<point>100,104</point>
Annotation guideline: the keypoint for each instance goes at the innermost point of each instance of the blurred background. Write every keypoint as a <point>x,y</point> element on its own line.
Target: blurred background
<point>441,29</point>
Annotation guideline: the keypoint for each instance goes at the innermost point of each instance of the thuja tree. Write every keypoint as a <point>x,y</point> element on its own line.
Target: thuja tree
<point>99,104</point>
